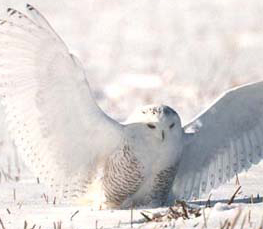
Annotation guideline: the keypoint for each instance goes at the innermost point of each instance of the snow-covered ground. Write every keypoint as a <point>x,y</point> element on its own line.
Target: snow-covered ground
<point>180,53</point>
<point>24,201</point>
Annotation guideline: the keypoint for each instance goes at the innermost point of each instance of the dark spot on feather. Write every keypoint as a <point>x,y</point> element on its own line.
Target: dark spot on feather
<point>163,136</point>
<point>151,126</point>
<point>29,7</point>
<point>172,125</point>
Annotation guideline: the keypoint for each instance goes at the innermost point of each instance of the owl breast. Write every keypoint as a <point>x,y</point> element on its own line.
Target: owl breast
<point>125,184</point>
<point>122,176</point>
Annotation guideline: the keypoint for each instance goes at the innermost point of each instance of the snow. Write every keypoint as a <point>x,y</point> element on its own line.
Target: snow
<point>30,205</point>
<point>180,53</point>
<point>33,209</point>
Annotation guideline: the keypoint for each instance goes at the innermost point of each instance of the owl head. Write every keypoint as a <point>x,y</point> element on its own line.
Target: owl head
<point>161,120</point>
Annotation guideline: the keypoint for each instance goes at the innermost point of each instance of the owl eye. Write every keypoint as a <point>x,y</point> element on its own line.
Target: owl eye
<point>151,126</point>
<point>171,126</point>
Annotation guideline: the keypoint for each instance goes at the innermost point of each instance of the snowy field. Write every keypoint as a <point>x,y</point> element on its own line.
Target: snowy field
<point>27,201</point>
<point>180,53</point>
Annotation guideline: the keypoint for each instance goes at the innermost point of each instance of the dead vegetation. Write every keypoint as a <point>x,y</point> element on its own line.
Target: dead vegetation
<point>179,210</point>
<point>183,210</point>
<point>234,196</point>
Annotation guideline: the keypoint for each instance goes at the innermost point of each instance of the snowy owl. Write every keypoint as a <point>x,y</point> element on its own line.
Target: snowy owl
<point>73,146</point>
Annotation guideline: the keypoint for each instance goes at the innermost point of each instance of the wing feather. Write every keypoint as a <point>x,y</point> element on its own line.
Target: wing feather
<point>41,20</point>
<point>228,139</point>
<point>57,126</point>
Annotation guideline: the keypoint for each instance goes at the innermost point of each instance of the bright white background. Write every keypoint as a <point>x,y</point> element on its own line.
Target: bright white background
<point>180,53</point>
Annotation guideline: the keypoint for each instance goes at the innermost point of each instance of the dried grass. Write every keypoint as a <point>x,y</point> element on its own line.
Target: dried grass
<point>179,210</point>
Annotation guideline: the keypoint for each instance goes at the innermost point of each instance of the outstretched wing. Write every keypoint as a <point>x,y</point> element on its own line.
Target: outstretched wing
<point>227,138</point>
<point>57,126</point>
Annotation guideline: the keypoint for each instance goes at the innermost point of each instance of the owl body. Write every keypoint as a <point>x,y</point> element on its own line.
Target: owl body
<point>136,174</point>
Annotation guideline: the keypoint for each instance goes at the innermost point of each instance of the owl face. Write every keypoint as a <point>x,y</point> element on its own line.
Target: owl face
<point>160,120</point>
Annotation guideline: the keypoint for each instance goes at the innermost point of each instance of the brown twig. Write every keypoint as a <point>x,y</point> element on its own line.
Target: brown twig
<point>243,222</point>
<point>20,205</point>
<point>185,211</point>
<point>173,211</point>
<point>75,213</point>
<point>225,224</point>
<point>249,218</point>
<point>205,221</point>
<point>2,224</point>
<point>261,224</point>
<point>237,180</point>
<point>182,203</point>
<point>57,225</point>
<point>45,197</point>
<point>25,224</point>
<point>233,196</point>
<point>14,195</point>
<point>252,199</point>
<point>234,221</point>
<point>54,201</point>
<point>132,215</point>
<point>208,202</point>
<point>146,217</point>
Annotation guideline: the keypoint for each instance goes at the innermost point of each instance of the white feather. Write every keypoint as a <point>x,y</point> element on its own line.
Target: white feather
<point>56,124</point>
<point>230,138</point>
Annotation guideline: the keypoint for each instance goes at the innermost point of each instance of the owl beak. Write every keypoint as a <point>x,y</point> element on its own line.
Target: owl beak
<point>163,135</point>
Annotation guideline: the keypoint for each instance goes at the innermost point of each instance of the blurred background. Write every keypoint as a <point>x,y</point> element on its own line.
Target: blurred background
<point>180,53</point>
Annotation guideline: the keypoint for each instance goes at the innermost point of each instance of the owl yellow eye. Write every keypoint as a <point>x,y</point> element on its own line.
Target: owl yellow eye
<point>151,126</point>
